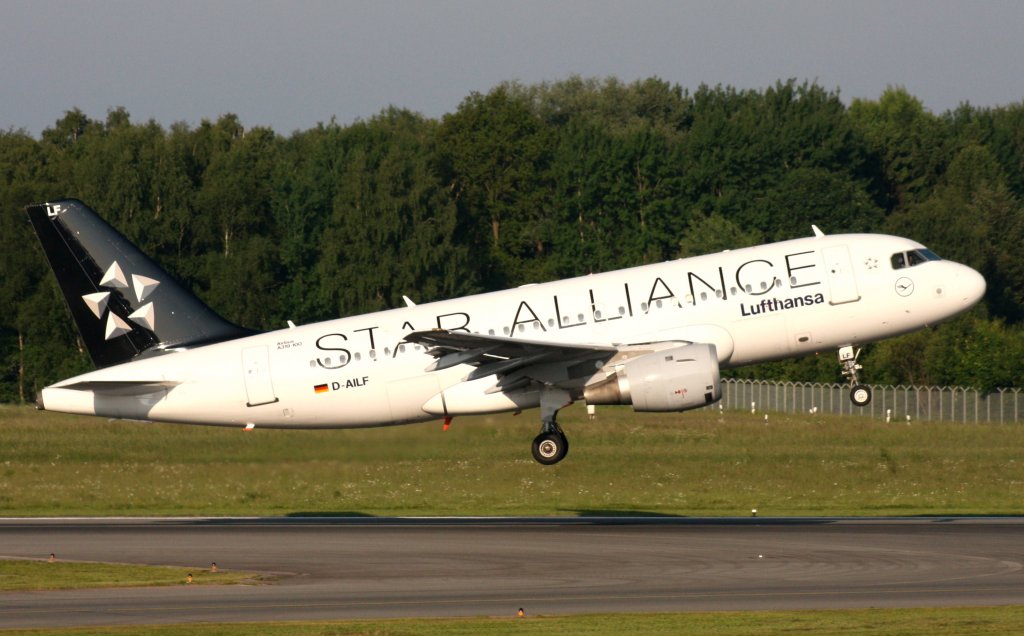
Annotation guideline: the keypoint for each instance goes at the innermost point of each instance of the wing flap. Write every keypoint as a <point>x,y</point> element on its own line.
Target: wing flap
<point>455,358</point>
<point>507,366</point>
<point>515,362</point>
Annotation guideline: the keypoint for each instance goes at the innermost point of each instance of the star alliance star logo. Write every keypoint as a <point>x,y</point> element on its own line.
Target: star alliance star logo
<point>142,286</point>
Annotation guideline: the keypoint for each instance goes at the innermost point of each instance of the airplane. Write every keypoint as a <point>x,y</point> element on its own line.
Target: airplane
<point>654,336</point>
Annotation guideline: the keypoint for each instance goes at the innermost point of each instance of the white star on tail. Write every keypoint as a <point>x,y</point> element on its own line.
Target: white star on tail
<point>116,326</point>
<point>145,316</point>
<point>97,303</point>
<point>143,286</point>
<point>114,277</point>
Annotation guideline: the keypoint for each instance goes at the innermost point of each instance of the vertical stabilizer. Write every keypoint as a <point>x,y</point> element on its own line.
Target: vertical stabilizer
<point>123,303</point>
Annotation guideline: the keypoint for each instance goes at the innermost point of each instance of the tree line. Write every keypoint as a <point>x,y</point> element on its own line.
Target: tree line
<point>523,184</point>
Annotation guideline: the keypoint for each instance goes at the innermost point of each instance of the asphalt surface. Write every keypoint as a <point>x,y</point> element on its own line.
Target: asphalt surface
<point>370,568</point>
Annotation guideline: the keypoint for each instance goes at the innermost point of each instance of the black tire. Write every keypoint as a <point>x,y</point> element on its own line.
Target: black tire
<point>860,395</point>
<point>550,448</point>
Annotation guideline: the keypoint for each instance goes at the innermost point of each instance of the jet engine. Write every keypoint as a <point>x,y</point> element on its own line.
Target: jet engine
<point>676,379</point>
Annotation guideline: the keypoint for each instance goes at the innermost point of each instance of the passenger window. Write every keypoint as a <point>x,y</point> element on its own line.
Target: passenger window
<point>899,261</point>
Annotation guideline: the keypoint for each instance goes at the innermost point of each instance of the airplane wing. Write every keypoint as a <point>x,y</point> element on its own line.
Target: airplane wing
<point>516,362</point>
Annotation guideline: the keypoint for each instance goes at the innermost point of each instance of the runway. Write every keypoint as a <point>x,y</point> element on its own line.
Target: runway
<point>338,568</point>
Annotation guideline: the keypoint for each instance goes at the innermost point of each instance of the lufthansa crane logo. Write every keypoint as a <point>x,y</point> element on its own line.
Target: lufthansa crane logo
<point>904,286</point>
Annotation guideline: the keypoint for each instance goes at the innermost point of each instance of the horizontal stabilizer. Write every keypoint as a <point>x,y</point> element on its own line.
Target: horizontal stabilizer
<point>122,387</point>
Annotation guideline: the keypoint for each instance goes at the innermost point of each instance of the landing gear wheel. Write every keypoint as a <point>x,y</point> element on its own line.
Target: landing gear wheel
<point>550,448</point>
<point>860,395</point>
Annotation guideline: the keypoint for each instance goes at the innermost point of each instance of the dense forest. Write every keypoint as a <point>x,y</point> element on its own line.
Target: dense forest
<point>526,184</point>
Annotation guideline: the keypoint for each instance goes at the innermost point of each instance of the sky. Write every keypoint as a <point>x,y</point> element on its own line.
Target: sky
<point>291,65</point>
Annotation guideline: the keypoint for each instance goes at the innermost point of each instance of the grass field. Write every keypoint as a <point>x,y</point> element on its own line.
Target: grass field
<point>40,575</point>
<point>907,622</point>
<point>624,463</point>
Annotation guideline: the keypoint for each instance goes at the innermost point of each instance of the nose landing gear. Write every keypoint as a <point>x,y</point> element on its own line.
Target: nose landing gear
<point>860,394</point>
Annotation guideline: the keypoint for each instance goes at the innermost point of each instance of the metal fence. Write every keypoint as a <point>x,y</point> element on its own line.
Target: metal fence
<point>896,403</point>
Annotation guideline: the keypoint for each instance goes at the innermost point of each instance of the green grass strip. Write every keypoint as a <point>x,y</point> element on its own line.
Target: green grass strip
<point>42,575</point>
<point>699,463</point>
<point>907,622</point>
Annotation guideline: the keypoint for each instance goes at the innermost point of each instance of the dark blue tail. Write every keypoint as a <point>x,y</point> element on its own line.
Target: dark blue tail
<point>124,304</point>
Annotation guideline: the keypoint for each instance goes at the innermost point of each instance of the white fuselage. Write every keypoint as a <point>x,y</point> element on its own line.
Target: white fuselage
<point>755,304</point>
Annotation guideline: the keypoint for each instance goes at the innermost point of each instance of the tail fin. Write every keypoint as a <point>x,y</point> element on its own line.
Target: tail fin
<point>123,303</point>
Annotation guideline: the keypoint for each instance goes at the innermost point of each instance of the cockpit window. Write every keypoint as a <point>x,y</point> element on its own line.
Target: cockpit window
<point>913,257</point>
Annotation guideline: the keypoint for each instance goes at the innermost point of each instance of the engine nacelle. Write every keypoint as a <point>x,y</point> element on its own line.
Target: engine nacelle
<point>675,379</point>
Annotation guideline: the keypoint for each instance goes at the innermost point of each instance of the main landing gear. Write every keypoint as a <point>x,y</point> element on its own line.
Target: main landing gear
<point>860,394</point>
<point>551,446</point>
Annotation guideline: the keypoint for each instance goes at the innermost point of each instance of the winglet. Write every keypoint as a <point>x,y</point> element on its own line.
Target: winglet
<point>817,232</point>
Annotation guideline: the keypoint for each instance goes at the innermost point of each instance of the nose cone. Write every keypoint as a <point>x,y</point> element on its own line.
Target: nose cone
<point>969,286</point>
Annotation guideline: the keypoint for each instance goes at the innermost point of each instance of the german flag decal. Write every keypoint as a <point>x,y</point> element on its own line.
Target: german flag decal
<point>320,388</point>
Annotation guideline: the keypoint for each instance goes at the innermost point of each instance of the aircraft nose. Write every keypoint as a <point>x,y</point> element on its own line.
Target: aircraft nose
<point>970,285</point>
